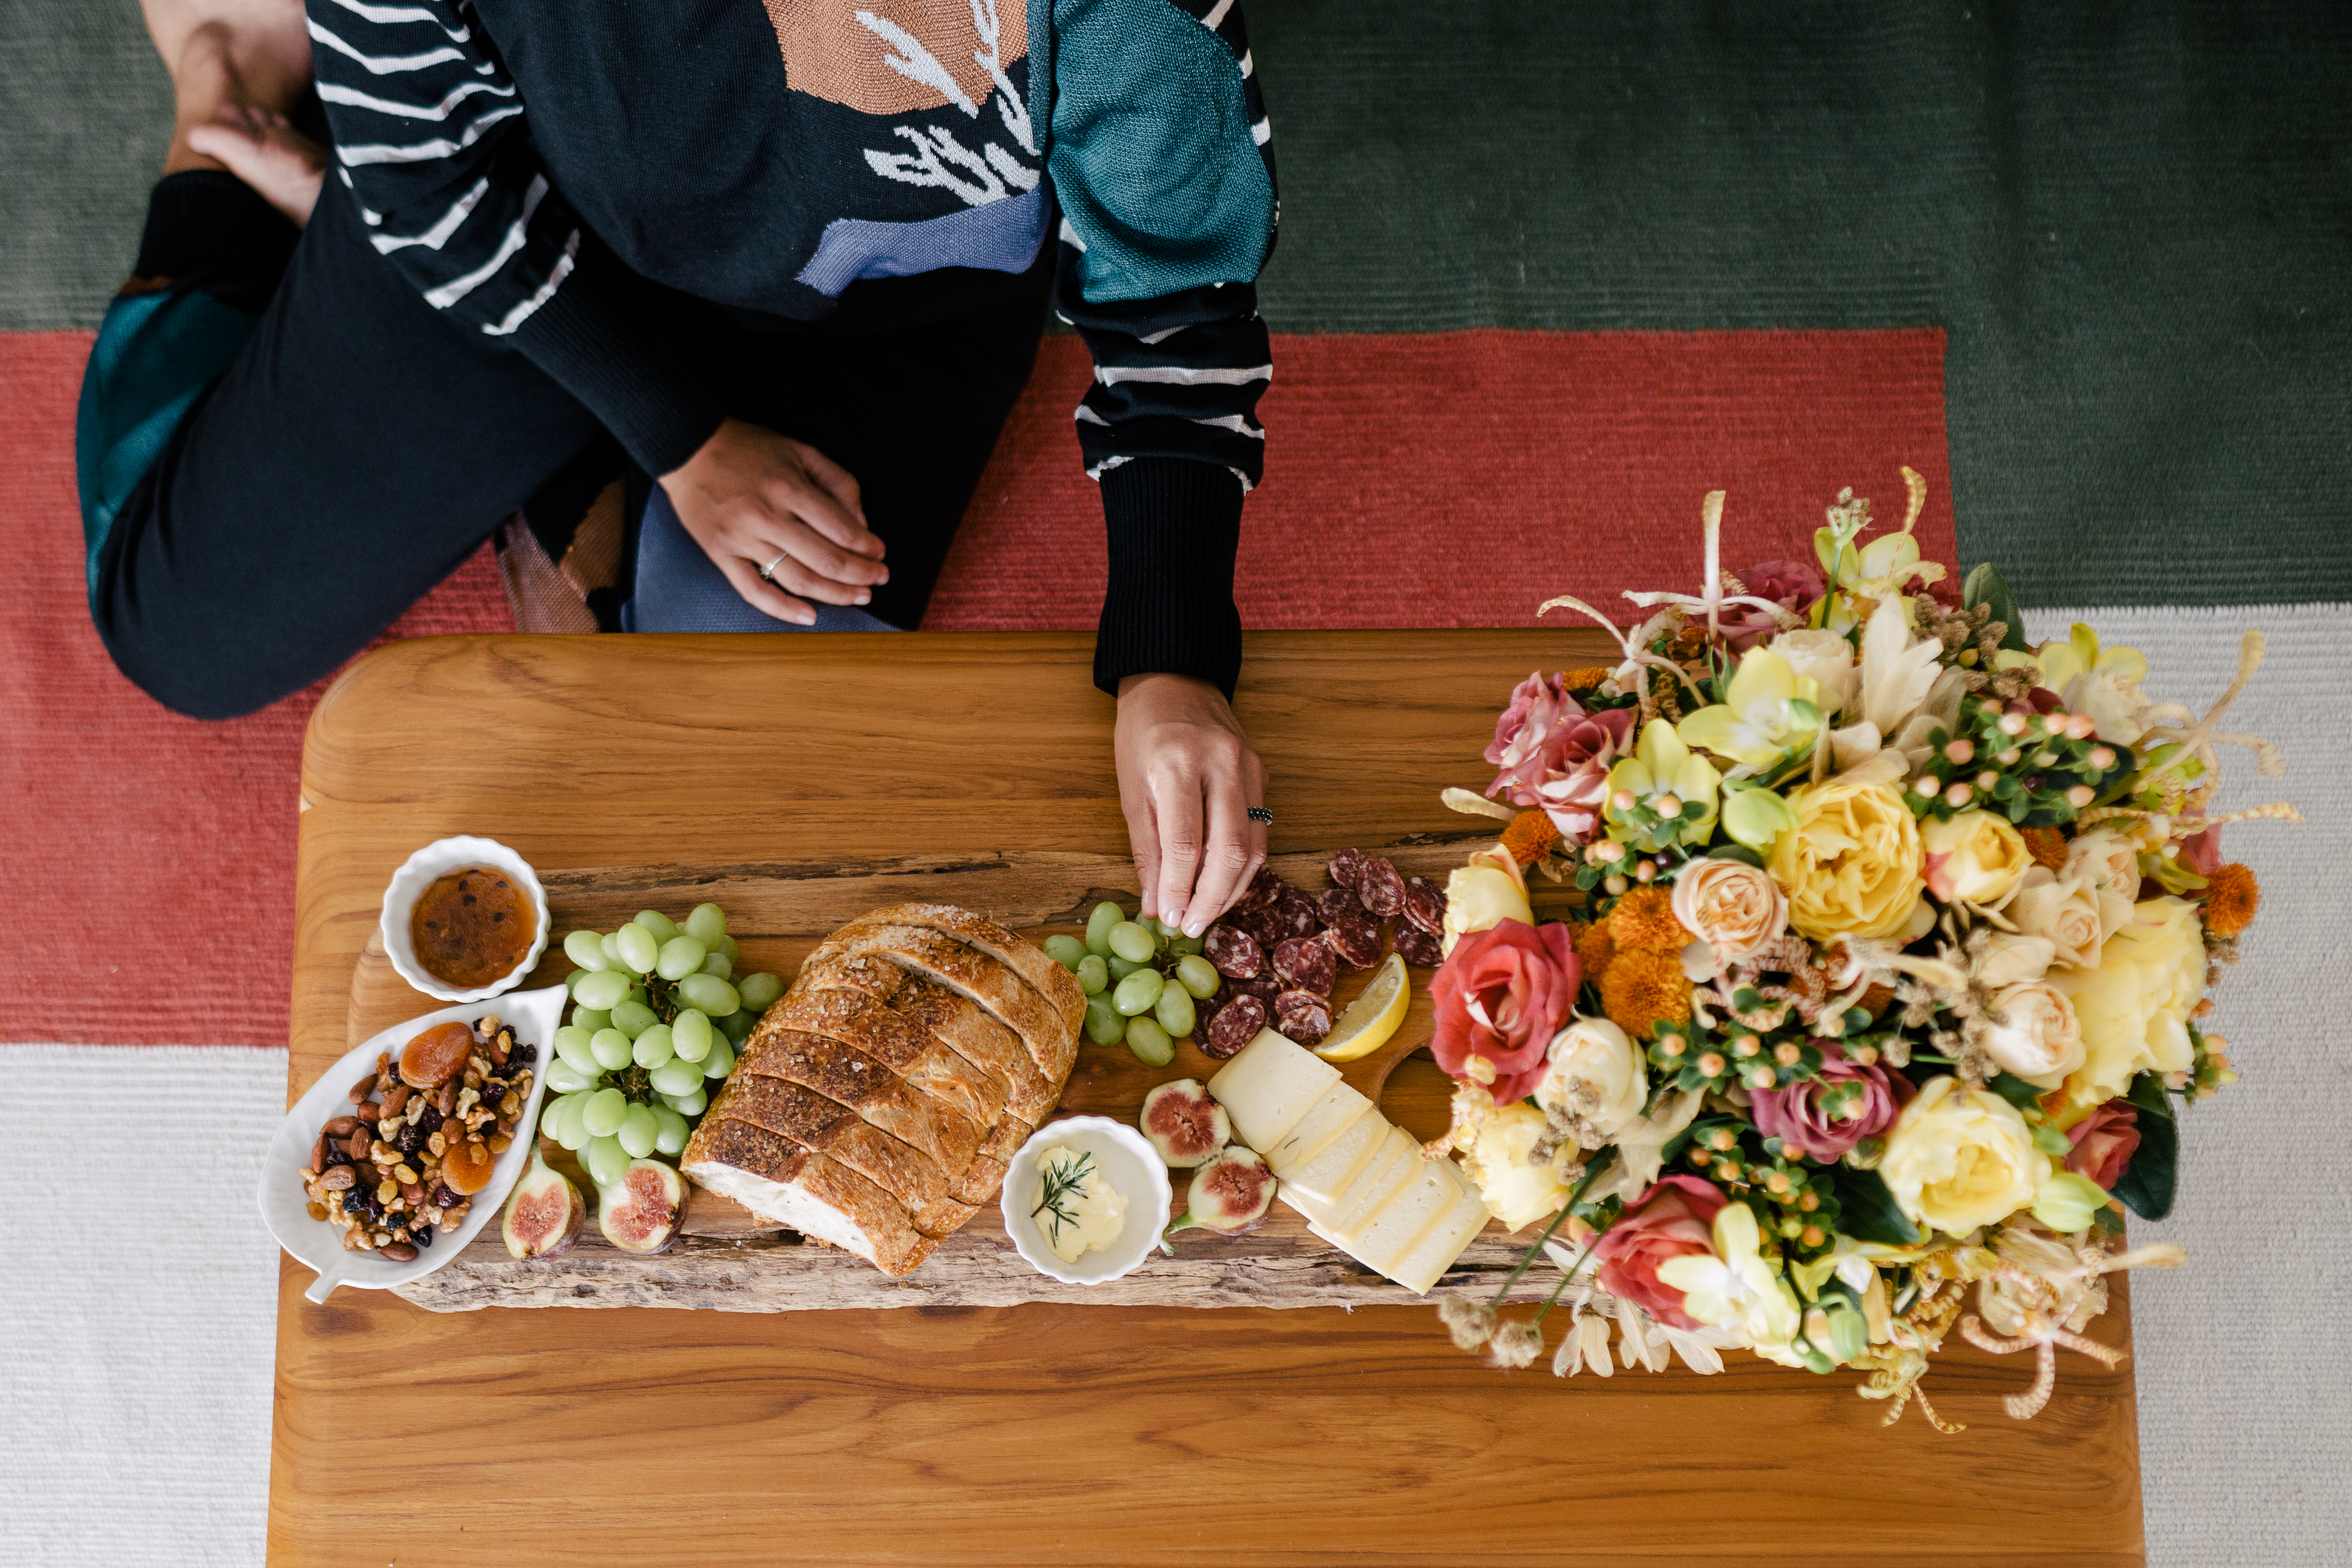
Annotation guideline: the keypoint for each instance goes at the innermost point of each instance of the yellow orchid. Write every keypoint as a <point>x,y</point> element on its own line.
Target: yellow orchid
<point>2080,653</point>
<point>1769,713</point>
<point>1652,793</point>
<point>1736,1287</point>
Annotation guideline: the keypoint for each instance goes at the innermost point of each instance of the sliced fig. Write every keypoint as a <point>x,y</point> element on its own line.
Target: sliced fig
<point>1231,1193</point>
<point>1183,1123</point>
<point>640,1213</point>
<point>545,1214</point>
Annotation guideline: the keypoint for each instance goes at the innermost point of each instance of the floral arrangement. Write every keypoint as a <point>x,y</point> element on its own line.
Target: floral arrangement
<point>1889,984</point>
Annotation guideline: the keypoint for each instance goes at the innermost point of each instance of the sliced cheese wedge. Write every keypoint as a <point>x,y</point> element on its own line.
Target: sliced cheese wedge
<point>1439,1246</point>
<point>1339,1109</point>
<point>1268,1085</point>
<point>1400,1224</point>
<point>1397,1163</point>
<point>1324,1176</point>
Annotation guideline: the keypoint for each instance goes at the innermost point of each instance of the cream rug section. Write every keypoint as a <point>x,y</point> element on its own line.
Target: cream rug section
<point>138,1292</point>
<point>140,1289</point>
<point>2245,1422</point>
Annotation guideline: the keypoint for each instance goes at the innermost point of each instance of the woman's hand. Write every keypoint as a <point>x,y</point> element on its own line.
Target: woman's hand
<point>1187,778</point>
<point>751,496</point>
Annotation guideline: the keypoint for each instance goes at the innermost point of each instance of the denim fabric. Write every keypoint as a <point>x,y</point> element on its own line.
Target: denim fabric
<point>680,590</point>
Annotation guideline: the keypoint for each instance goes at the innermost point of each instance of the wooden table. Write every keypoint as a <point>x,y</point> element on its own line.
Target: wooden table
<point>1035,1433</point>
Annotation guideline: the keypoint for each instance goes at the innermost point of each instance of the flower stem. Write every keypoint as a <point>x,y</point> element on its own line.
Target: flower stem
<point>1553,1298</point>
<point>1575,1196</point>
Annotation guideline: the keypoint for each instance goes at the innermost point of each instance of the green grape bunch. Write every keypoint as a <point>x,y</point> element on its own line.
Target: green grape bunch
<point>1142,980</point>
<point>657,1018</point>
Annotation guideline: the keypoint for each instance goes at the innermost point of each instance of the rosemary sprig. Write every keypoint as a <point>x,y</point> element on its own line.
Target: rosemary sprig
<point>1056,1183</point>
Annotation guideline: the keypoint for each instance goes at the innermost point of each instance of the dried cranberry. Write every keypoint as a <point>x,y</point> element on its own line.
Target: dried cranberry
<point>429,1119</point>
<point>369,1202</point>
<point>410,1139</point>
<point>442,1198</point>
<point>335,1155</point>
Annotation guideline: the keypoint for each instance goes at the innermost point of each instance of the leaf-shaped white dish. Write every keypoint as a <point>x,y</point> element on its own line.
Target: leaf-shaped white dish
<point>318,1244</point>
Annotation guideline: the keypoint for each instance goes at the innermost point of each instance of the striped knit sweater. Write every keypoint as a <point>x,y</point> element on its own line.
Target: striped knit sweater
<point>532,165</point>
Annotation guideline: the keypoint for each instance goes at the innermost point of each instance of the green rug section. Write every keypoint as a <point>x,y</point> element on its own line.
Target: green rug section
<point>2134,222</point>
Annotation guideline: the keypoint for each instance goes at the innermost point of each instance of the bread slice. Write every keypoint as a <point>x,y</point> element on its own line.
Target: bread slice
<point>980,1039</point>
<point>1052,1042</point>
<point>1026,958</point>
<point>943,1219</point>
<point>901,1044</point>
<point>821,1198</point>
<point>831,1128</point>
<point>843,1073</point>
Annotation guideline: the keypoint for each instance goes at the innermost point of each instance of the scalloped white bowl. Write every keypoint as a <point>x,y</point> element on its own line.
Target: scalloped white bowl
<point>1128,1161</point>
<point>420,871</point>
<point>319,1245</point>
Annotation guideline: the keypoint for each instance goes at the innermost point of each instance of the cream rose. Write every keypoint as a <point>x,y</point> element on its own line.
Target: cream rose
<point>1825,657</point>
<point>1958,1158</point>
<point>2062,908</point>
<point>2113,702</point>
<point>1851,866</point>
<point>2013,958</point>
<point>2107,862</point>
<point>1594,1084</point>
<point>1500,1159</point>
<point>1483,894</point>
<point>1731,906</point>
<point>2038,1039</point>
<point>1973,858</point>
<point>2134,1007</point>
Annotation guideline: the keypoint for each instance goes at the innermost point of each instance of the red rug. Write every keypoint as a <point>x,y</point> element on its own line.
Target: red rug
<point>1440,481</point>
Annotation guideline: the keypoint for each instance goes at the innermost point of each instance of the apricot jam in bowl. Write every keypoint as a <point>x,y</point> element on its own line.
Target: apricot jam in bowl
<point>464,919</point>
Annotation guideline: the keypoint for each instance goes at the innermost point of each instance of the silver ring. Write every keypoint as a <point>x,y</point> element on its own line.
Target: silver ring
<point>1260,814</point>
<point>771,566</point>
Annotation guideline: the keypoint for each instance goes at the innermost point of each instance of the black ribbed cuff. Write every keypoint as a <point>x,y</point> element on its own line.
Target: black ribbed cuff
<point>610,359</point>
<point>1174,527</point>
<point>207,228</point>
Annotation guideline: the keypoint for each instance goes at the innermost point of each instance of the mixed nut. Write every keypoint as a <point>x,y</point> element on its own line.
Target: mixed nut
<point>421,1138</point>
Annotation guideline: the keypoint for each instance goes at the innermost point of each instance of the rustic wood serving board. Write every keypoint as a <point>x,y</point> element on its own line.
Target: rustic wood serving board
<point>731,1259</point>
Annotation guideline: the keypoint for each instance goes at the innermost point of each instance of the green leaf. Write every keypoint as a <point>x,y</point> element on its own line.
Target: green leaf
<point>2147,1092</point>
<point>1868,1212</point>
<point>1986,586</point>
<point>2147,1184</point>
<point>2015,1090</point>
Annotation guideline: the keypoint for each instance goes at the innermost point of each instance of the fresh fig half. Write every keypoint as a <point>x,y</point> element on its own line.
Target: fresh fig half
<point>641,1212</point>
<point>1230,1195</point>
<point>1183,1123</point>
<point>545,1214</point>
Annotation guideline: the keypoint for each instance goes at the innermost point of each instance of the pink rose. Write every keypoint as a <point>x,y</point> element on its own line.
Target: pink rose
<point>1554,757</point>
<point>1524,736</point>
<point>2105,1142</point>
<point>1675,1218</point>
<point>1824,1117</point>
<point>2202,852</point>
<point>1791,585</point>
<point>1501,996</point>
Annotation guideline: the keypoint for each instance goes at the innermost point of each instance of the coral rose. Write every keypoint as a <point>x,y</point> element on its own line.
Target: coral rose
<point>1735,908</point>
<point>1501,996</point>
<point>2105,1142</point>
<point>1851,866</point>
<point>2133,1006</point>
<point>1958,1158</point>
<point>1823,1119</point>
<point>2038,1037</point>
<point>1675,1218</point>
<point>1973,858</point>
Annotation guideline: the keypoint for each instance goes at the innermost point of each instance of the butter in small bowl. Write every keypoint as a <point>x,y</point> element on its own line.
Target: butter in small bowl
<point>1085,1200</point>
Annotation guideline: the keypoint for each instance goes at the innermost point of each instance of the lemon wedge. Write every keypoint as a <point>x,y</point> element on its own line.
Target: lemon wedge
<point>1372,1017</point>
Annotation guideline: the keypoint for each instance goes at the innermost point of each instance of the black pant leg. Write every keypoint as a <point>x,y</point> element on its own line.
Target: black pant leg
<point>357,451</point>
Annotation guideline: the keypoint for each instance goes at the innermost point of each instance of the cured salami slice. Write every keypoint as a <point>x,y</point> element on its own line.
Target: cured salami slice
<point>1418,946</point>
<point>1263,889</point>
<point>1307,964</point>
<point>1337,904</point>
<point>1303,1016</point>
<point>1356,939</point>
<point>1237,1023</point>
<point>1424,905</point>
<point>1347,867</point>
<point>1265,988</point>
<point>1235,951</point>
<point>1265,926</point>
<point>1298,914</point>
<point>1380,887</point>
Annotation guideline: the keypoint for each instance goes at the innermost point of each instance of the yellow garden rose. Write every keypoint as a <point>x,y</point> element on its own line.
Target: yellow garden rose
<point>2134,1007</point>
<point>1958,1158</point>
<point>1851,866</point>
<point>1483,894</point>
<point>1974,857</point>
<point>1500,1159</point>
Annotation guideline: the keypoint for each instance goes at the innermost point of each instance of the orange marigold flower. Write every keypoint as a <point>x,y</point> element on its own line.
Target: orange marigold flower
<point>2232,897</point>
<point>1645,918</point>
<point>1531,837</point>
<point>1594,950</point>
<point>2047,846</point>
<point>1582,679</point>
<point>1644,989</point>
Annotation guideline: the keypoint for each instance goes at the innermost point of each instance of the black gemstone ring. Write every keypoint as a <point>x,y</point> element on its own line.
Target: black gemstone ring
<point>1260,814</point>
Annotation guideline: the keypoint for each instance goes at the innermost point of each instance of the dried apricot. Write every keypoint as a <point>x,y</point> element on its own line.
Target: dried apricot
<point>435,1056</point>
<point>465,1168</point>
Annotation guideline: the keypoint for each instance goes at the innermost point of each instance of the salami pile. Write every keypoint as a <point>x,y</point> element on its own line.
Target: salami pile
<point>1280,948</point>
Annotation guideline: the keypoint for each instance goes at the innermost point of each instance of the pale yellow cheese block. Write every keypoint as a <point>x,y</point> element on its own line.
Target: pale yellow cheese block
<point>1268,1085</point>
<point>1400,1224</point>
<point>1398,1163</point>
<point>1340,1107</point>
<point>1327,1174</point>
<point>1428,1259</point>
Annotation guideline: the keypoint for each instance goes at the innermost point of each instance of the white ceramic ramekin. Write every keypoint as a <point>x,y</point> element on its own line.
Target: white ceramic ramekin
<point>429,864</point>
<point>1127,1161</point>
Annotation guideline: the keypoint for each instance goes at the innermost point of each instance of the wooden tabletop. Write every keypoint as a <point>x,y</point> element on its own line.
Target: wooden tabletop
<point>1043,1433</point>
